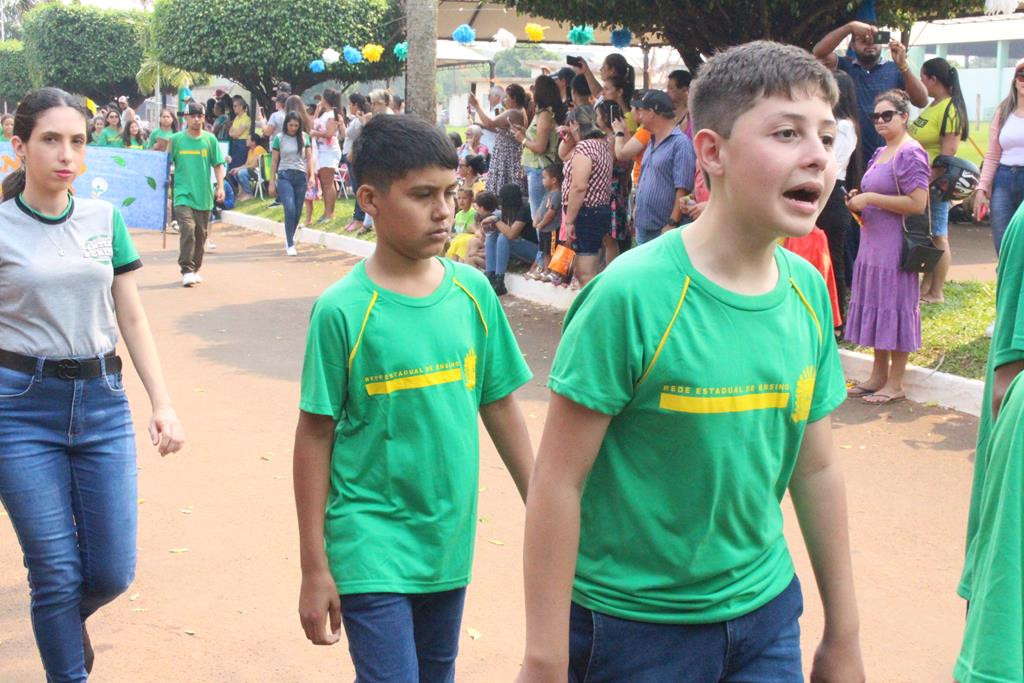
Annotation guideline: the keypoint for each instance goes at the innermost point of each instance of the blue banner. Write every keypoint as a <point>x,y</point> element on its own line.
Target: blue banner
<point>133,180</point>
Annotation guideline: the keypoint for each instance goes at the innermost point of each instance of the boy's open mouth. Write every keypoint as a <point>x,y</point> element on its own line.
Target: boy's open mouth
<point>807,194</point>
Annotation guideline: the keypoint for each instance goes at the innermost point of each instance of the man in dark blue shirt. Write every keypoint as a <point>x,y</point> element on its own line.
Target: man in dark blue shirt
<point>871,74</point>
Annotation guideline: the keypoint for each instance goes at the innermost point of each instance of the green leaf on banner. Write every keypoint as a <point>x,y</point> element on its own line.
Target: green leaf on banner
<point>128,201</point>
<point>120,161</point>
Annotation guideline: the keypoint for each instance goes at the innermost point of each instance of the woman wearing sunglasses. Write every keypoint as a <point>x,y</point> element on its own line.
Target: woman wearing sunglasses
<point>1001,187</point>
<point>883,311</point>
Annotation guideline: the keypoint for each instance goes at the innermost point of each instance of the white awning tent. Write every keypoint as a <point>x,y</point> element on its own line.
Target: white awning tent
<point>984,29</point>
<point>487,17</point>
<point>452,55</point>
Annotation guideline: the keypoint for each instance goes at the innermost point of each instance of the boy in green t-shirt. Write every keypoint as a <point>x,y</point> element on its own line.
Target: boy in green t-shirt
<point>195,153</point>
<point>654,536</point>
<point>402,355</point>
<point>991,579</point>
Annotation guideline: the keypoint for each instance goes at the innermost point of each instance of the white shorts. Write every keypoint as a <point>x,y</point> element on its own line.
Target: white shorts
<point>329,158</point>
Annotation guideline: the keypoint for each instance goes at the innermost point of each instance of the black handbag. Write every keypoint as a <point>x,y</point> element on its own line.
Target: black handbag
<point>919,254</point>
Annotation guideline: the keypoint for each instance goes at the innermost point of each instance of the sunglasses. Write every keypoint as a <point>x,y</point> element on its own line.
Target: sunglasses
<point>885,116</point>
<point>1019,76</point>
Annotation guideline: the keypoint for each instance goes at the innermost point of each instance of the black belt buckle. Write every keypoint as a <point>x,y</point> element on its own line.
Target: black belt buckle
<point>69,368</point>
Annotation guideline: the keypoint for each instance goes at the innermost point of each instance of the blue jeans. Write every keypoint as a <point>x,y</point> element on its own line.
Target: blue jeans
<point>68,483</point>
<point>762,646</point>
<point>498,249</point>
<point>358,215</point>
<point>246,180</point>
<point>1007,196</point>
<point>291,190</point>
<point>536,191</point>
<point>238,150</point>
<point>397,638</point>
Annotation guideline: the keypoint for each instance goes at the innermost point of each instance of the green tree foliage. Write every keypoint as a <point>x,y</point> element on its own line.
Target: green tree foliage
<point>258,44</point>
<point>696,27</point>
<point>14,80</point>
<point>85,50</point>
<point>509,63</point>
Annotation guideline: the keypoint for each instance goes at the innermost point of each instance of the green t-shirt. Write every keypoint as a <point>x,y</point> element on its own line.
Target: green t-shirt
<point>709,393</point>
<point>158,134</point>
<point>464,220</point>
<point>194,158</point>
<point>401,513</point>
<point>109,137</point>
<point>4,139</point>
<point>1007,347</point>
<point>927,127</point>
<point>993,644</point>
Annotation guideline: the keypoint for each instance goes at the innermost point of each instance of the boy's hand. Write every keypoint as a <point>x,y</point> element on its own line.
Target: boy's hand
<point>838,661</point>
<point>319,599</point>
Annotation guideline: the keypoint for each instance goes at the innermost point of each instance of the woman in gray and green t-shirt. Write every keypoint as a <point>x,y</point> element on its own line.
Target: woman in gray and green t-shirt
<point>67,446</point>
<point>291,172</point>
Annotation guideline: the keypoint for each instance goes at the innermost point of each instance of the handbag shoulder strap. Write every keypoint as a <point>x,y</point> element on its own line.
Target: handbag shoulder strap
<point>928,199</point>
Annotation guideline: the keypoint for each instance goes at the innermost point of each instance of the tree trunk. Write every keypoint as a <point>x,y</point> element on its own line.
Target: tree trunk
<point>421,69</point>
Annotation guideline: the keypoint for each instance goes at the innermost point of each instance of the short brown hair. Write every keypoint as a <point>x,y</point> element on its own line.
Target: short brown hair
<point>733,80</point>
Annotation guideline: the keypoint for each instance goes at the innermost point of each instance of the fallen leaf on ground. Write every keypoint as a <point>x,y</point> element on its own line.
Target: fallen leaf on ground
<point>932,404</point>
<point>495,541</point>
<point>134,597</point>
<point>278,476</point>
<point>482,520</point>
<point>199,391</point>
<point>473,633</point>
<point>185,511</point>
<point>140,609</point>
<point>175,551</point>
<point>189,632</point>
<point>267,456</point>
<point>846,445</point>
<point>141,501</point>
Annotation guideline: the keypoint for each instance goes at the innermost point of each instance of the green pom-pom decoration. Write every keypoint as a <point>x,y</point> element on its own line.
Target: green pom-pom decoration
<point>581,35</point>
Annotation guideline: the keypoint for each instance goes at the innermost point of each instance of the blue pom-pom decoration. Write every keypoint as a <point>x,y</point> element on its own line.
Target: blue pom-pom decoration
<point>317,66</point>
<point>621,38</point>
<point>581,35</point>
<point>402,51</point>
<point>352,55</point>
<point>464,34</point>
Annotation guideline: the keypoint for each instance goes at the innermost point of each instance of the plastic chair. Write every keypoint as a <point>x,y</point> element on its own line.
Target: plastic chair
<point>341,181</point>
<point>262,173</point>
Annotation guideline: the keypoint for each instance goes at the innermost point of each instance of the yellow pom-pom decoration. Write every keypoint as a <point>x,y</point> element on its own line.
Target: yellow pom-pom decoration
<point>372,52</point>
<point>535,32</point>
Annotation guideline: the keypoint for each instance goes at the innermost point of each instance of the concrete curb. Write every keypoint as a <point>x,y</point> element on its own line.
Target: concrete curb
<point>921,384</point>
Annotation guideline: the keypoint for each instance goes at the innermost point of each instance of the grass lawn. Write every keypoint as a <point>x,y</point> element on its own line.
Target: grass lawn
<point>953,333</point>
<point>342,215</point>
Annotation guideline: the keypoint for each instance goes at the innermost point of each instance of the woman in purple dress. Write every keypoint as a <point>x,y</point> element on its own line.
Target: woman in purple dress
<point>883,312</point>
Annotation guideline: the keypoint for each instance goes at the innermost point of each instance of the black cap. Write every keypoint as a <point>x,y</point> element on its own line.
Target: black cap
<point>283,87</point>
<point>194,109</point>
<point>566,74</point>
<point>656,100</point>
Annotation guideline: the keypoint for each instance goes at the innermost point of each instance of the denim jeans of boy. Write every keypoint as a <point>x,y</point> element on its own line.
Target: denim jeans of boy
<point>291,190</point>
<point>498,249</point>
<point>68,483</point>
<point>399,638</point>
<point>357,211</point>
<point>762,646</point>
<point>1007,196</point>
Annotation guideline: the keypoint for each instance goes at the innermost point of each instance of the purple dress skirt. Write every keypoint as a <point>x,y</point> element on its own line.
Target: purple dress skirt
<point>884,312</point>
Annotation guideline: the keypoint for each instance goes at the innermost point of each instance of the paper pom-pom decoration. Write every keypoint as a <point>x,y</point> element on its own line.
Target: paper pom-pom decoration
<point>372,52</point>
<point>621,38</point>
<point>352,55</point>
<point>464,34</point>
<point>317,66</point>
<point>506,40</point>
<point>330,56</point>
<point>535,32</point>
<point>401,51</point>
<point>581,35</point>
<point>1000,6</point>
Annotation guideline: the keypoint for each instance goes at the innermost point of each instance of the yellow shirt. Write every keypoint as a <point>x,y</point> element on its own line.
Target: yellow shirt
<point>240,127</point>
<point>928,126</point>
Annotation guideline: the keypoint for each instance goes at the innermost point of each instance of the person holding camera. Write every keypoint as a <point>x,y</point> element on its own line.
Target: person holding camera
<point>870,73</point>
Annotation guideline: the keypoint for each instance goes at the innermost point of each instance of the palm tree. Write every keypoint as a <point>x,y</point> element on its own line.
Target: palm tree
<point>169,77</point>
<point>11,12</point>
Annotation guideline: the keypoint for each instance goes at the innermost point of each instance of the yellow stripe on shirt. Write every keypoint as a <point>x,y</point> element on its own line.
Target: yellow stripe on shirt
<point>428,379</point>
<point>724,404</point>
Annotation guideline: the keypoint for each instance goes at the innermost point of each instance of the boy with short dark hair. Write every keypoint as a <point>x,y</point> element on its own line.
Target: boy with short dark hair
<point>404,343</point>
<point>670,564</point>
<point>195,152</point>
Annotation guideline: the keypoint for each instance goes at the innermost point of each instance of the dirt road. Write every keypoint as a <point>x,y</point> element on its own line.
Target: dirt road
<point>223,608</point>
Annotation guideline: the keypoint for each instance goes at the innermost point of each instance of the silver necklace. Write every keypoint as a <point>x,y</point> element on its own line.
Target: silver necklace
<point>55,243</point>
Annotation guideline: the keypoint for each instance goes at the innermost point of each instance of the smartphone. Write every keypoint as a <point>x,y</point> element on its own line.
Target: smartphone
<point>615,111</point>
<point>882,37</point>
<point>572,60</point>
<point>472,87</point>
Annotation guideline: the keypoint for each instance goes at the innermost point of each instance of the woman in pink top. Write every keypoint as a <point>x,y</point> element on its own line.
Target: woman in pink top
<point>1002,176</point>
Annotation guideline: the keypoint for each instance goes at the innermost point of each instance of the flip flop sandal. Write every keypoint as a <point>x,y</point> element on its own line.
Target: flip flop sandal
<point>886,399</point>
<point>857,391</point>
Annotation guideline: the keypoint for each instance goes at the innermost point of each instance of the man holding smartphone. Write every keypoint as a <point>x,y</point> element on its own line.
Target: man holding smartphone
<point>870,73</point>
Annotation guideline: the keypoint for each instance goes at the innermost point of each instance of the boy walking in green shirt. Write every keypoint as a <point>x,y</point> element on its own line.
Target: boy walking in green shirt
<point>194,153</point>
<point>993,577</point>
<point>401,356</point>
<point>654,541</point>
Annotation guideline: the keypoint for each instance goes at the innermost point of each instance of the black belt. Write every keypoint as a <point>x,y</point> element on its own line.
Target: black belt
<point>66,368</point>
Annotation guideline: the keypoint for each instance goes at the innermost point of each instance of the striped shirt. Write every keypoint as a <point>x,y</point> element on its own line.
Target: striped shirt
<point>599,187</point>
<point>669,164</point>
